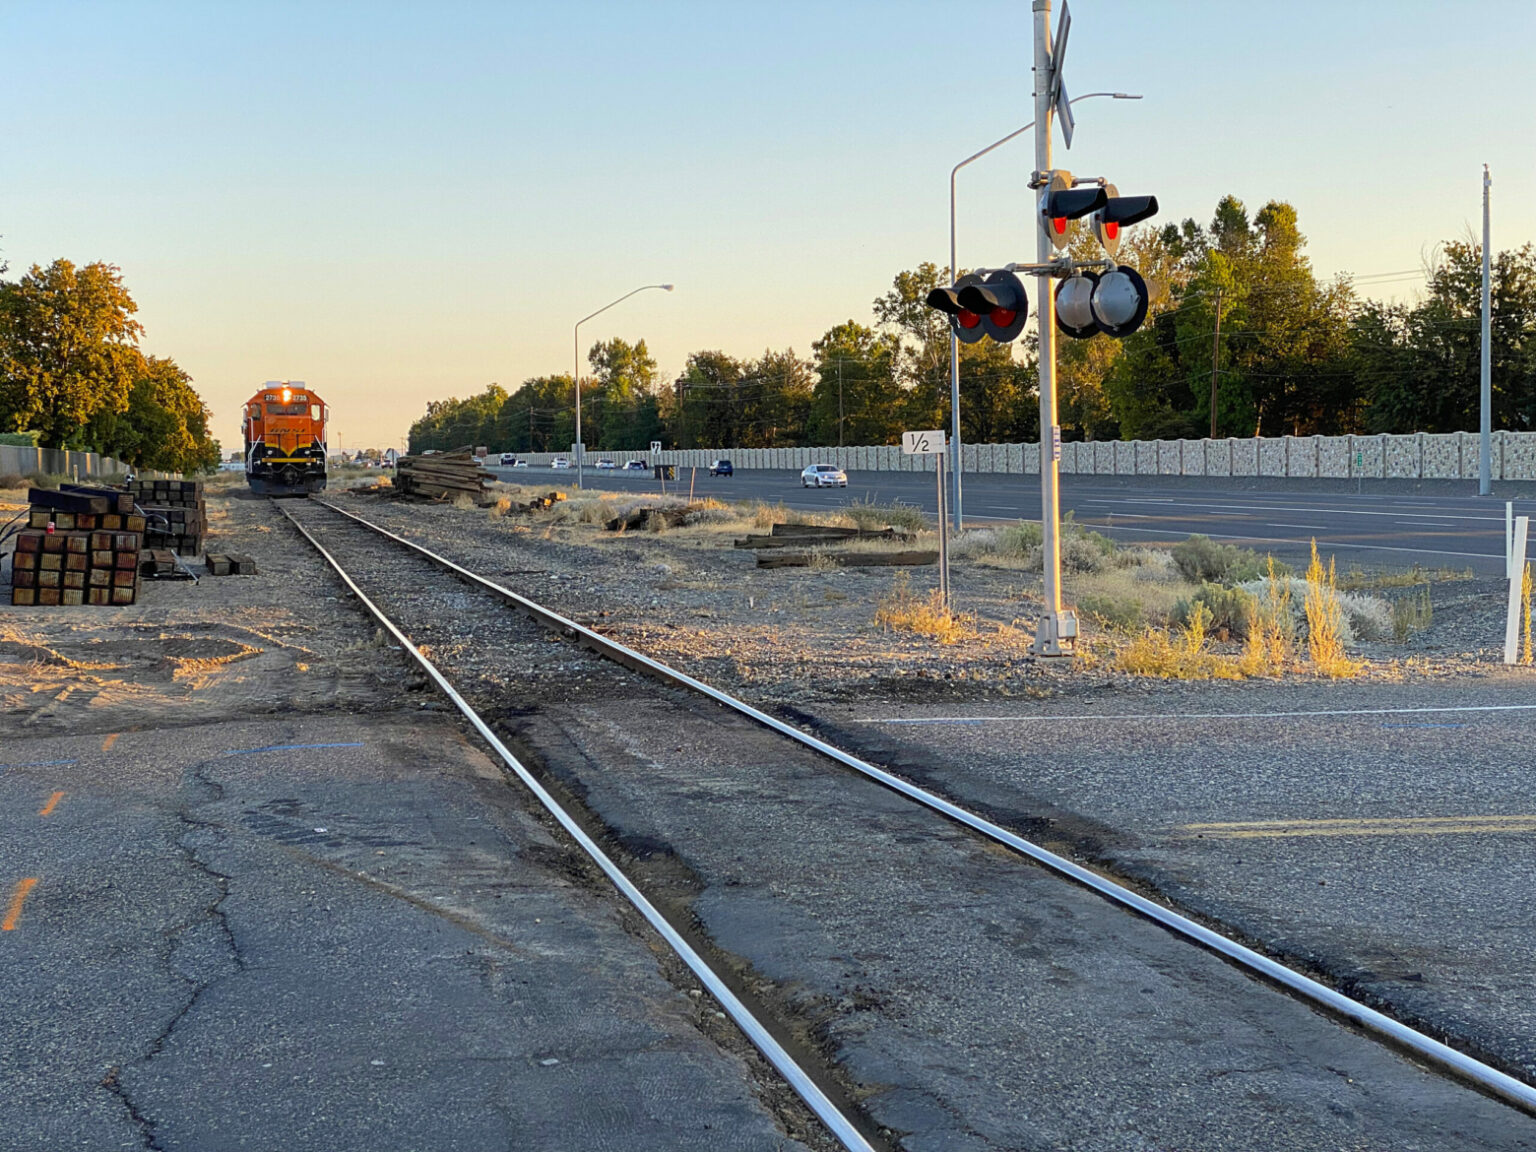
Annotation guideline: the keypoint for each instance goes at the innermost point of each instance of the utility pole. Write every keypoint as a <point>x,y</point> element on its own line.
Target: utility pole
<point>1215,347</point>
<point>839,401</point>
<point>1485,435</point>
<point>1056,634</point>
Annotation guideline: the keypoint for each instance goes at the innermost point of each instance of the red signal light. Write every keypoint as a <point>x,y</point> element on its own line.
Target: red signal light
<point>1002,317</point>
<point>1111,229</point>
<point>968,319</point>
<point>1059,225</point>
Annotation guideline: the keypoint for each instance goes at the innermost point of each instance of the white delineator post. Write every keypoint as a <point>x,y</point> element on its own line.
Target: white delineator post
<point>1056,634</point>
<point>1515,564</point>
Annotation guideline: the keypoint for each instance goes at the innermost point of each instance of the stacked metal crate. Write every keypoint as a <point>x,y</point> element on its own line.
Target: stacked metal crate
<point>80,546</point>
<point>177,513</point>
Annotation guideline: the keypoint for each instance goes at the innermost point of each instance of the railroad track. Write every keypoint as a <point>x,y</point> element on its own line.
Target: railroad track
<point>368,556</point>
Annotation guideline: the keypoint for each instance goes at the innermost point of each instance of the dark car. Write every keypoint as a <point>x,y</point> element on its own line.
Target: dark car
<point>721,468</point>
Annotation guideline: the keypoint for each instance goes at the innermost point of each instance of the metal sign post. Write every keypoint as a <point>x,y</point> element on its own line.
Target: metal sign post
<point>932,444</point>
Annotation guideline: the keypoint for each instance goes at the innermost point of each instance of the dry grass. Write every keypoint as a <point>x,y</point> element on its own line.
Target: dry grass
<point>1183,656</point>
<point>1412,613</point>
<point>1525,608</point>
<point>868,515</point>
<point>901,610</point>
<point>1357,580</point>
<point>1325,622</point>
<point>1128,599</point>
<point>1271,629</point>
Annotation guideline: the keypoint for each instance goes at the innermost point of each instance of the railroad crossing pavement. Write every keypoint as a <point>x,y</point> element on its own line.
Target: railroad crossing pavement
<point>327,933</point>
<point>1382,833</point>
<point>1376,527</point>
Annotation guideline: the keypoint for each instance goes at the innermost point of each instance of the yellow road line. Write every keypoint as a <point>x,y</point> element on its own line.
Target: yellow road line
<point>106,745</point>
<point>1389,826</point>
<point>53,802</point>
<point>18,898</point>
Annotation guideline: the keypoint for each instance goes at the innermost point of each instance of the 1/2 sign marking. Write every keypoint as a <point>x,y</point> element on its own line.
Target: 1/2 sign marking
<point>922,443</point>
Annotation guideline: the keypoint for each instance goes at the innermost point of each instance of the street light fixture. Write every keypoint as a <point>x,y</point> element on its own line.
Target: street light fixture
<point>954,347</point>
<point>576,366</point>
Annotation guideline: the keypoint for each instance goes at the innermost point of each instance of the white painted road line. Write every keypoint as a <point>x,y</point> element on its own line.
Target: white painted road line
<point>1458,708</point>
<point>1297,543</point>
<point>1324,510</point>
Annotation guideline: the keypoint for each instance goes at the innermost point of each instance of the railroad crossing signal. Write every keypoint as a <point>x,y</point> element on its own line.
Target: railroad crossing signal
<point>1074,305</point>
<point>1119,212</point>
<point>1064,204</point>
<point>1000,302</point>
<point>1120,302</point>
<point>963,322</point>
<point>1113,302</point>
<point>983,304</point>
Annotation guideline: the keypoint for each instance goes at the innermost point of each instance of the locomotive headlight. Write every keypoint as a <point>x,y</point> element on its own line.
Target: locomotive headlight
<point>287,395</point>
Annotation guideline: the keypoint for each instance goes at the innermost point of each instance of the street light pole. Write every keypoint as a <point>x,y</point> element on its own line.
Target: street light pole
<point>1485,431</point>
<point>576,367</point>
<point>954,345</point>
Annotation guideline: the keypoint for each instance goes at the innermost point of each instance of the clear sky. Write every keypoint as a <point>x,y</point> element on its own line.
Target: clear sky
<point>398,202</point>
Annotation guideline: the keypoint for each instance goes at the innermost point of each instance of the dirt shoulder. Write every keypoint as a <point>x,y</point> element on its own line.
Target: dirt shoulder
<point>187,653</point>
<point>688,597</point>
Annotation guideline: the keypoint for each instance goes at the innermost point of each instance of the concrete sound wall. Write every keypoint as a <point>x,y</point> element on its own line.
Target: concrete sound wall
<point>81,466</point>
<point>1415,456</point>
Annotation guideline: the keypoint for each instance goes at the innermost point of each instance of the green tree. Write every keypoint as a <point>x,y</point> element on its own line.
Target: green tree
<point>164,425</point>
<point>1419,365</point>
<point>1281,360</point>
<point>706,402</point>
<point>68,349</point>
<point>857,398</point>
<point>776,400</point>
<point>620,401</point>
<point>998,393</point>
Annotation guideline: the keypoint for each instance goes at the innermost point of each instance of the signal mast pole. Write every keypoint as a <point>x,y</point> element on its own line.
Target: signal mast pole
<point>1056,634</point>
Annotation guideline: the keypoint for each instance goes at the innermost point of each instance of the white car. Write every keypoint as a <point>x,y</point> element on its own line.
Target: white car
<point>519,463</point>
<point>823,476</point>
<point>607,465</point>
<point>559,462</point>
<point>509,459</point>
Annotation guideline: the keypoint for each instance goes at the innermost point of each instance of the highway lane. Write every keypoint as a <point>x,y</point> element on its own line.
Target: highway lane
<point>1389,530</point>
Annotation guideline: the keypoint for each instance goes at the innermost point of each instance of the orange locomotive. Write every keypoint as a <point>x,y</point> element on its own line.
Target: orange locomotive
<point>285,440</point>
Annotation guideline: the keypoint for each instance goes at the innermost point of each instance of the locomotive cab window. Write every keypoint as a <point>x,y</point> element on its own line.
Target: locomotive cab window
<point>287,409</point>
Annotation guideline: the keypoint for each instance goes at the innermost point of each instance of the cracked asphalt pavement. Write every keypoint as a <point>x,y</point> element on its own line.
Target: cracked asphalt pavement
<point>329,933</point>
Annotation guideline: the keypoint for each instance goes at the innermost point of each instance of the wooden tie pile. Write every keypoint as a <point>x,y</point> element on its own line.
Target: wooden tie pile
<point>177,513</point>
<point>80,546</point>
<point>231,564</point>
<point>774,551</point>
<point>442,476</point>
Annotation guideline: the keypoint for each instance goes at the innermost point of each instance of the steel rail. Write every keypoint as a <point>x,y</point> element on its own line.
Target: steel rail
<point>1442,1056</point>
<point>798,1078</point>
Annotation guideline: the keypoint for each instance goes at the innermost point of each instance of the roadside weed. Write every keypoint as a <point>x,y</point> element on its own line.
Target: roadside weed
<point>1182,657</point>
<point>1412,613</point>
<point>1271,629</point>
<point>869,516</point>
<point>1525,608</point>
<point>1325,628</point>
<point>901,610</point>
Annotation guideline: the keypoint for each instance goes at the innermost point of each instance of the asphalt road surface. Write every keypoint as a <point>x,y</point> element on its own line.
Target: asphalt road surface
<point>1382,833</point>
<point>1378,529</point>
<point>338,933</point>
